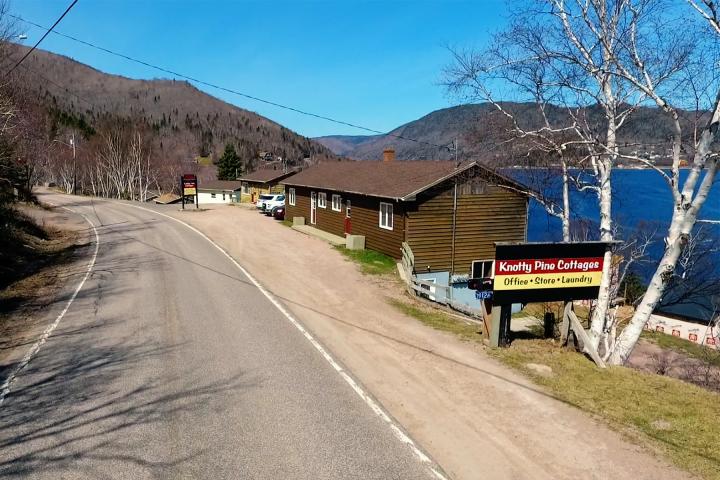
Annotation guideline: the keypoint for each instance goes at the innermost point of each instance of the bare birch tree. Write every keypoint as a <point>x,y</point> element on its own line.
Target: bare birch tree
<point>688,196</point>
<point>568,50</point>
<point>469,77</point>
<point>600,61</point>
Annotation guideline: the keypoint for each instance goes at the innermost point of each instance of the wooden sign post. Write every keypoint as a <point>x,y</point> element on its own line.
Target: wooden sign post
<point>543,272</point>
<point>188,188</point>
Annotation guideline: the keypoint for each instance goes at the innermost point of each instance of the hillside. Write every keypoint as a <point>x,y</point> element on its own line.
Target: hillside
<point>480,132</point>
<point>345,144</point>
<point>187,122</point>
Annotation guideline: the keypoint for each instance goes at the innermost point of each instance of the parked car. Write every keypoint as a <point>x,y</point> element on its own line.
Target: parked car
<point>270,205</point>
<point>260,204</point>
<point>279,213</point>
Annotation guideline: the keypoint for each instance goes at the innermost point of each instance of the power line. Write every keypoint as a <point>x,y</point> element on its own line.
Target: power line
<point>41,38</point>
<point>228,90</point>
<point>67,90</point>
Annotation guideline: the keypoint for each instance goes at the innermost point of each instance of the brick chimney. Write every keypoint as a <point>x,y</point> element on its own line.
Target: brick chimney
<point>389,155</point>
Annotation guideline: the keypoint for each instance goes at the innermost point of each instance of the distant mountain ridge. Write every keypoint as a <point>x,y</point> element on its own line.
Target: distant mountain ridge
<point>480,133</point>
<point>189,123</point>
<point>345,144</point>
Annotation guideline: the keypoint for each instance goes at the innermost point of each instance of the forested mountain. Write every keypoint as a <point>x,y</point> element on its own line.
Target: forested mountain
<point>481,130</point>
<point>185,123</point>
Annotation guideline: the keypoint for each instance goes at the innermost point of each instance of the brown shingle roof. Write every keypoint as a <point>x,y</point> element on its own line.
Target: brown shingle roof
<point>397,179</point>
<point>166,198</point>
<point>265,175</point>
<point>224,185</point>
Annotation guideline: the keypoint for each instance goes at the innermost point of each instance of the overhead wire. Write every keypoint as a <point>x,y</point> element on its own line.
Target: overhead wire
<point>35,72</point>
<point>229,90</point>
<point>27,54</point>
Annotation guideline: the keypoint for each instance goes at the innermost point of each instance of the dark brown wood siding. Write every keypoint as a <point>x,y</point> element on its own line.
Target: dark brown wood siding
<point>493,215</point>
<point>302,204</point>
<point>365,218</point>
<point>366,221</point>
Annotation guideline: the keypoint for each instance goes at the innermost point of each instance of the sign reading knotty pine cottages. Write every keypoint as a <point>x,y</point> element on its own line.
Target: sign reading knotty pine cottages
<point>546,272</point>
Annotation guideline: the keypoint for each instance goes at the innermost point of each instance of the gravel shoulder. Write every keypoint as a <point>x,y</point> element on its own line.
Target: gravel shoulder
<point>29,304</point>
<point>476,417</point>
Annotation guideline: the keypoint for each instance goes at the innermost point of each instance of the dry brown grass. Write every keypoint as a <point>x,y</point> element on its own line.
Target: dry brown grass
<point>679,419</point>
<point>34,261</point>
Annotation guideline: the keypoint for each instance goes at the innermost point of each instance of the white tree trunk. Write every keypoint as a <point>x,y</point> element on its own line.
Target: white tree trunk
<point>566,203</point>
<point>684,218</point>
<point>597,324</point>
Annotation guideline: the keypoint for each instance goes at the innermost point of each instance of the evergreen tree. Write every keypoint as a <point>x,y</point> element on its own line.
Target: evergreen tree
<point>229,165</point>
<point>632,288</point>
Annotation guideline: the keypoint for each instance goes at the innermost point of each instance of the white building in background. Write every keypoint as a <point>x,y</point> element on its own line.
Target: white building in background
<point>690,322</point>
<point>219,191</point>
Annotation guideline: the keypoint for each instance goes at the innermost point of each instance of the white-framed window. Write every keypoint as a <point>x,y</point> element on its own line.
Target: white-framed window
<point>212,195</point>
<point>482,269</point>
<point>246,188</point>
<point>336,203</point>
<point>386,216</point>
<point>291,196</point>
<point>348,210</point>
<point>322,200</point>
<point>430,290</point>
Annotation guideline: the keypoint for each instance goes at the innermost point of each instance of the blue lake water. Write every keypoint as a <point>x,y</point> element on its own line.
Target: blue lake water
<point>641,199</point>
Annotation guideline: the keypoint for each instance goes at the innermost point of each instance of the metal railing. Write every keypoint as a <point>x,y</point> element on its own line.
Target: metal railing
<point>441,294</point>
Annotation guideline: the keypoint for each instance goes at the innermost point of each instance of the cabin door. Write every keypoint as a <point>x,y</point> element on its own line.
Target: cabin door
<point>348,222</point>
<point>313,207</point>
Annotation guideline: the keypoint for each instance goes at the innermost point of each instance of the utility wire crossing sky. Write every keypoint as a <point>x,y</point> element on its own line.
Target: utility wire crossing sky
<point>364,67</point>
<point>217,87</point>
<point>29,52</point>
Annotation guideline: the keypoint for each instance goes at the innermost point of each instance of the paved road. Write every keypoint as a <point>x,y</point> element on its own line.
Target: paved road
<point>171,364</point>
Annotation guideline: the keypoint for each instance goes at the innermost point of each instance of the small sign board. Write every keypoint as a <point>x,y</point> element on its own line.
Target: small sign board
<point>189,185</point>
<point>546,272</point>
<point>188,188</point>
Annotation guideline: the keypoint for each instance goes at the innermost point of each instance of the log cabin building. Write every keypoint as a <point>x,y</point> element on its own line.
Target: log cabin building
<point>392,202</point>
<point>264,180</point>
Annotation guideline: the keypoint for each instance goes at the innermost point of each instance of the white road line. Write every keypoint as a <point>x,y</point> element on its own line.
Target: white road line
<point>374,406</point>
<point>5,387</point>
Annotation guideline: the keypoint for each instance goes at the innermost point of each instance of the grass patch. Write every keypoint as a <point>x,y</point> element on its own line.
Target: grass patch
<point>538,310</point>
<point>25,246</point>
<point>287,223</point>
<point>204,161</point>
<point>679,418</point>
<point>685,347</point>
<point>31,254</point>
<point>370,261</point>
<point>439,320</point>
<point>522,314</point>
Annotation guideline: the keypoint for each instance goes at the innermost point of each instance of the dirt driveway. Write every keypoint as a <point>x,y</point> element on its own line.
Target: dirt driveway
<point>476,418</point>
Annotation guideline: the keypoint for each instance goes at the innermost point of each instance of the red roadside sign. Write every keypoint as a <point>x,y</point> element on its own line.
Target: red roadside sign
<point>188,188</point>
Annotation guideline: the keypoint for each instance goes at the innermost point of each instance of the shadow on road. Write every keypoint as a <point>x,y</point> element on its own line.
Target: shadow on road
<point>79,402</point>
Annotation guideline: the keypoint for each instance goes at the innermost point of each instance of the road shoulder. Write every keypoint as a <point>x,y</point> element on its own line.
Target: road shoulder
<point>31,303</point>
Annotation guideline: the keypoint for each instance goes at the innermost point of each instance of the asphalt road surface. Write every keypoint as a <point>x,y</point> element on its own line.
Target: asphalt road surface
<point>172,364</point>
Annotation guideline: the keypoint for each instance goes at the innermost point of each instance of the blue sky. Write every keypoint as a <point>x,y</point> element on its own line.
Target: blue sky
<point>373,63</point>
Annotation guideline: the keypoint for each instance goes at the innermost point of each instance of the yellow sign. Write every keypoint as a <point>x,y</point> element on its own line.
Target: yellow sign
<point>189,191</point>
<point>547,280</point>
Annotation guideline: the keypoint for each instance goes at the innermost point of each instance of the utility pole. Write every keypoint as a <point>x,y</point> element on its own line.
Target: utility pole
<point>454,220</point>
<point>455,149</point>
<point>72,142</point>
